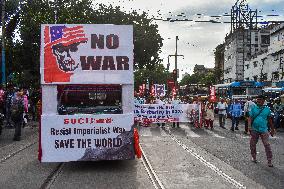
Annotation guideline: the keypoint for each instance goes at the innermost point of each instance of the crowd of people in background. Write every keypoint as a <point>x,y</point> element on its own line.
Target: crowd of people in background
<point>261,116</point>
<point>233,109</point>
<point>18,106</point>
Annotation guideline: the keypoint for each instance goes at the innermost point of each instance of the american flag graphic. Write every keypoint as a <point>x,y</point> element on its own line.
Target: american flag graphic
<point>64,35</point>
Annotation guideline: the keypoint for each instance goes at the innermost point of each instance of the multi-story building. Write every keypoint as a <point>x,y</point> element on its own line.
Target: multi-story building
<point>268,67</point>
<point>276,50</point>
<point>219,62</point>
<point>240,46</point>
<point>200,69</point>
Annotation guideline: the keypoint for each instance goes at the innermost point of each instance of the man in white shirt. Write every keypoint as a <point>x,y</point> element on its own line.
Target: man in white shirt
<point>222,112</point>
<point>247,108</point>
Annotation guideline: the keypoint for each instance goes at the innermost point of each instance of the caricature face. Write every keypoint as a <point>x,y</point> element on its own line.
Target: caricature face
<point>65,56</point>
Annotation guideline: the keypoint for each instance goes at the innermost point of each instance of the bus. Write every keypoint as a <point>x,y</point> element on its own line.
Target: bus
<point>273,92</point>
<point>194,90</point>
<point>87,88</point>
<point>239,90</point>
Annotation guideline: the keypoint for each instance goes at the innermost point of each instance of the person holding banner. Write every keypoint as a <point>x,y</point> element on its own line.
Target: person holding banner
<point>209,115</point>
<point>175,102</point>
<point>160,102</point>
<point>146,122</point>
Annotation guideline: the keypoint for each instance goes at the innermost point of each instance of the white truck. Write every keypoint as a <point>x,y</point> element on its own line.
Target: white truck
<point>87,93</point>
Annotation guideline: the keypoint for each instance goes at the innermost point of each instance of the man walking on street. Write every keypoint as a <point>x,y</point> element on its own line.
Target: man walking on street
<point>236,112</point>
<point>259,118</point>
<point>222,109</point>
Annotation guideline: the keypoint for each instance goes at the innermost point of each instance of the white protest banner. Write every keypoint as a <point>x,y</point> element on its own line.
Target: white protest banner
<point>156,113</point>
<point>212,94</point>
<point>86,54</point>
<point>139,100</point>
<point>86,137</point>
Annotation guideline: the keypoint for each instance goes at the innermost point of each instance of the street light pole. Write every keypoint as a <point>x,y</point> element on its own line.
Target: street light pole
<point>176,54</point>
<point>3,44</point>
<point>175,70</point>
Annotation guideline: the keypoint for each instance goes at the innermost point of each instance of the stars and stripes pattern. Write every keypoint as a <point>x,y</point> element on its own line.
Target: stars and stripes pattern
<point>64,35</point>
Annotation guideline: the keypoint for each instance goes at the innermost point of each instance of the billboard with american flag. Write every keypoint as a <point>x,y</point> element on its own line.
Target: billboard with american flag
<point>86,54</point>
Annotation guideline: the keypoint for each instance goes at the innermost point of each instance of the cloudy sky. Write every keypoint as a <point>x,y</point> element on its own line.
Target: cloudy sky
<point>197,40</point>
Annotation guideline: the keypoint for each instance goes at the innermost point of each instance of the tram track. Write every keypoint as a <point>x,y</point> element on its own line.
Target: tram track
<point>218,171</point>
<point>52,176</point>
<point>151,172</point>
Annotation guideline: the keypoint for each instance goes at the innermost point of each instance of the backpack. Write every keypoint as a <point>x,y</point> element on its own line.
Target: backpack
<point>9,97</point>
<point>17,108</point>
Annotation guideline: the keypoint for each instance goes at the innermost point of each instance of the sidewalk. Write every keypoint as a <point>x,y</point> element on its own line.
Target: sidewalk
<point>31,129</point>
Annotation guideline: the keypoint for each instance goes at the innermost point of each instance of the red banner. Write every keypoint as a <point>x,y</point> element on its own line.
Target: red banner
<point>171,84</point>
<point>142,89</point>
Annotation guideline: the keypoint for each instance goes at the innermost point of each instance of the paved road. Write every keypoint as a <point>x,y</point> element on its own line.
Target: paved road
<point>183,157</point>
<point>228,151</point>
<point>19,168</point>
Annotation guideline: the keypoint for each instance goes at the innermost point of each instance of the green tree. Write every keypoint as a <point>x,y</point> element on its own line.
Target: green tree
<point>191,79</point>
<point>208,79</point>
<point>147,40</point>
<point>25,53</point>
<point>12,12</point>
<point>158,75</point>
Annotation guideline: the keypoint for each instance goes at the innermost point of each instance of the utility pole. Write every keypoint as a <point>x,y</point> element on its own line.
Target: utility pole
<point>176,52</point>
<point>175,55</point>
<point>175,72</point>
<point>3,44</point>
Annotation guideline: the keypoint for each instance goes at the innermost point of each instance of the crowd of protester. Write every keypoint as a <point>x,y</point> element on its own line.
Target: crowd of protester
<point>18,106</point>
<point>223,109</point>
<point>261,116</point>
